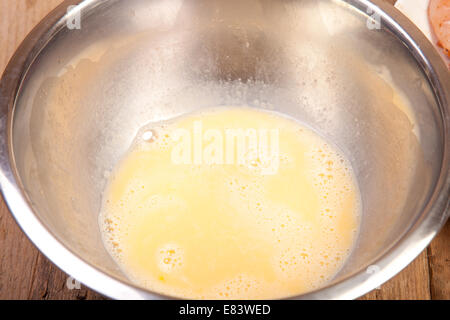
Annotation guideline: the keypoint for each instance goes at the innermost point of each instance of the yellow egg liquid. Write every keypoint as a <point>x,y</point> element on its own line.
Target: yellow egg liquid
<point>201,223</point>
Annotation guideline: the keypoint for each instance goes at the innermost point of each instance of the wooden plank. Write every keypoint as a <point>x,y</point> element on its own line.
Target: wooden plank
<point>439,263</point>
<point>50,283</point>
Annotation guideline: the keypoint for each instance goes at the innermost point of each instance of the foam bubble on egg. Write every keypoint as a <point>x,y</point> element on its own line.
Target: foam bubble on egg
<point>169,257</point>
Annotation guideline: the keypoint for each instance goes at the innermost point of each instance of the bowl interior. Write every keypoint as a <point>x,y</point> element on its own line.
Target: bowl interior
<point>325,63</point>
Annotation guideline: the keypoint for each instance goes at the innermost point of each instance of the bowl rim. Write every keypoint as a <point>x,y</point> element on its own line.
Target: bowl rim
<point>407,248</point>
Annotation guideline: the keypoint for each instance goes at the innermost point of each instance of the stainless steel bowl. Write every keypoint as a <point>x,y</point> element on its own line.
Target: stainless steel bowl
<point>72,101</point>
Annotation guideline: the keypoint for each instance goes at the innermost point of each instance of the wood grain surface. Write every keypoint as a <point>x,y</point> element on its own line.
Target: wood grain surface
<point>26,274</point>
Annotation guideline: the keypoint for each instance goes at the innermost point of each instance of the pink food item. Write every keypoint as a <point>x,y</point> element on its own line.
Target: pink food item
<point>439,15</point>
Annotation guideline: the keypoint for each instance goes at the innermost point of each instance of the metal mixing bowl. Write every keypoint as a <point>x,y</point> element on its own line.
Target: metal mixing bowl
<point>73,99</point>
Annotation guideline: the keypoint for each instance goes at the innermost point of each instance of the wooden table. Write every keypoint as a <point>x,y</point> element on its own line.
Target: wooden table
<point>26,274</point>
